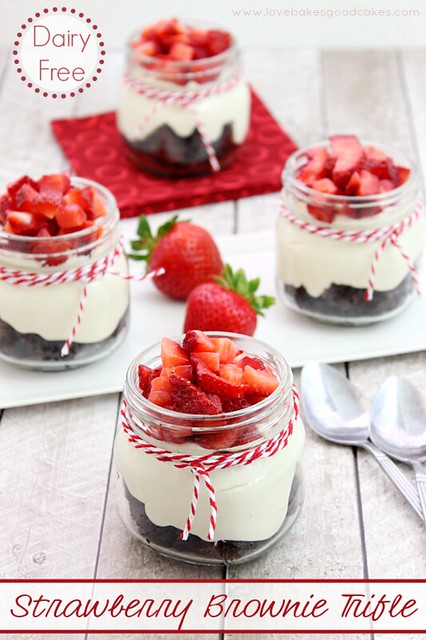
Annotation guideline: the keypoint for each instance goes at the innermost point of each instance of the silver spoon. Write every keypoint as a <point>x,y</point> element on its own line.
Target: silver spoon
<point>333,408</point>
<point>398,426</point>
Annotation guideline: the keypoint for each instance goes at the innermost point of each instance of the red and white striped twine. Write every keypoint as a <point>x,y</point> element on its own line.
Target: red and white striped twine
<point>186,100</point>
<point>202,466</point>
<point>86,275</point>
<point>385,236</point>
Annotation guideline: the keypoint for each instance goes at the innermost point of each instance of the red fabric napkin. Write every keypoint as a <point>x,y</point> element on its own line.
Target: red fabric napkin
<point>96,151</point>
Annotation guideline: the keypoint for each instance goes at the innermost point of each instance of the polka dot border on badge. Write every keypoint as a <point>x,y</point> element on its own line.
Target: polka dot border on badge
<point>36,20</point>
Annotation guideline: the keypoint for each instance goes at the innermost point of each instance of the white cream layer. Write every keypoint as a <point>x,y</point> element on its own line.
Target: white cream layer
<point>230,107</point>
<point>51,312</point>
<point>252,500</point>
<point>315,262</point>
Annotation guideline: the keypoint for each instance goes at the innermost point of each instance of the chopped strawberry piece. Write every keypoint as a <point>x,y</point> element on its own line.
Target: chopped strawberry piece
<point>386,185</point>
<point>145,378</point>
<point>232,373</point>
<point>5,205</point>
<point>235,404</point>
<point>15,186</point>
<point>172,354</point>
<point>242,360</point>
<point>46,203</point>
<point>353,185</point>
<point>210,359</point>
<point>369,183</point>
<point>160,392</point>
<point>182,370</point>
<point>403,174</point>
<point>325,185</point>
<point>97,207</point>
<point>181,51</point>
<point>348,154</point>
<point>22,223</point>
<point>323,214</point>
<point>217,441</point>
<point>75,196</point>
<point>197,341</point>
<point>316,167</point>
<point>261,382</point>
<point>24,197</point>
<point>376,161</point>
<point>212,383</point>
<point>218,41</point>
<point>149,48</point>
<point>70,216</point>
<point>188,398</point>
<point>226,348</point>
<point>57,182</point>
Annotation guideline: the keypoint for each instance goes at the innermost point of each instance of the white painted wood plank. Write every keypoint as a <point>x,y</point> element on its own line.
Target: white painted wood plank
<point>53,478</point>
<point>288,81</point>
<point>27,144</point>
<point>363,95</point>
<point>412,68</point>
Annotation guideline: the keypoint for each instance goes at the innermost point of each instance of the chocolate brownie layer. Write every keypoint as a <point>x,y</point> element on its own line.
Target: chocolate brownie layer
<point>31,348</point>
<point>165,153</point>
<point>344,302</point>
<point>167,540</point>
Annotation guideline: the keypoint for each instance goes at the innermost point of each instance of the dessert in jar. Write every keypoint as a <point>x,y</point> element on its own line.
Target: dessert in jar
<point>184,108</point>
<point>212,416</point>
<point>350,232</point>
<point>63,300</point>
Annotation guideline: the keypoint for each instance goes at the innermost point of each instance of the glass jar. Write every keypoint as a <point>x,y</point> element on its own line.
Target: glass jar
<point>340,281</point>
<point>37,321</point>
<point>256,503</point>
<point>177,138</point>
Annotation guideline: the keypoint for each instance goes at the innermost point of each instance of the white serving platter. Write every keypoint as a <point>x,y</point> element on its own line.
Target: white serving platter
<point>153,315</point>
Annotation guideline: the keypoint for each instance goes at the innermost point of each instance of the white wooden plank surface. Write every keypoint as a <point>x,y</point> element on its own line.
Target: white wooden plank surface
<point>288,81</point>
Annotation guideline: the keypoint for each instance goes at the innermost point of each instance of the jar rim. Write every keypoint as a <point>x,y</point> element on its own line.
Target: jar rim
<point>185,67</point>
<point>384,199</point>
<point>282,392</point>
<point>106,222</point>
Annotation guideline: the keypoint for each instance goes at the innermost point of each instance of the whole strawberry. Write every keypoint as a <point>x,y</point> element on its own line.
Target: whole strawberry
<point>187,253</point>
<point>227,304</point>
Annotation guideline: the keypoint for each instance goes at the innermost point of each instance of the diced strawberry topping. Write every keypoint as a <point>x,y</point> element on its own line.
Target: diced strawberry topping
<point>210,359</point>
<point>226,348</point>
<point>181,51</point>
<point>196,341</point>
<point>351,170</point>
<point>348,154</point>
<point>24,198</point>
<point>213,383</point>
<point>261,382</point>
<point>145,378</point>
<point>56,182</point>
<point>172,354</point>
<point>316,167</point>
<point>52,204</point>
<point>369,183</point>
<point>70,216</point>
<point>188,398</point>
<point>220,440</point>
<point>232,373</point>
<point>22,223</point>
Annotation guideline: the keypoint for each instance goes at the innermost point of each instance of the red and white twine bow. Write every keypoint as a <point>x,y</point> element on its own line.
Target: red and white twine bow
<point>86,275</point>
<point>202,466</point>
<point>385,236</point>
<point>186,100</point>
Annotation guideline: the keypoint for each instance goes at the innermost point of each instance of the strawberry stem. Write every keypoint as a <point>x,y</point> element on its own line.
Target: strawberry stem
<point>145,244</point>
<point>238,283</point>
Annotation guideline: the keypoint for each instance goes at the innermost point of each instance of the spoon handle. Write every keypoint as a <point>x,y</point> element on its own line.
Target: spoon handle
<point>421,485</point>
<point>400,481</point>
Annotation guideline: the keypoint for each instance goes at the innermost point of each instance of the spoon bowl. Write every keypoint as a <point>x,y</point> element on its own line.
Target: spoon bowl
<point>398,427</point>
<point>335,410</point>
<point>398,420</point>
